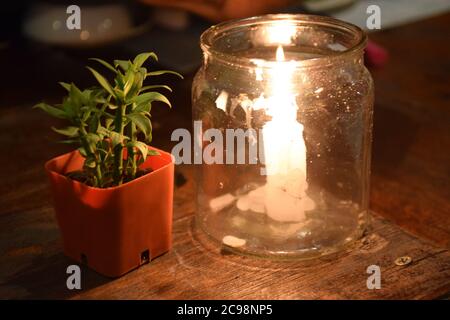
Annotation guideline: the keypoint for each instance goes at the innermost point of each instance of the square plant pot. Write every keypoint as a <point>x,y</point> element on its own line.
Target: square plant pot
<point>114,230</point>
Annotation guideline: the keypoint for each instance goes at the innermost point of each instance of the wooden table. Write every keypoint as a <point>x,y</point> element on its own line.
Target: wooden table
<point>410,200</point>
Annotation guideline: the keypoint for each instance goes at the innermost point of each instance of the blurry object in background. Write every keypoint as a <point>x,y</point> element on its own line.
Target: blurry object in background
<point>185,56</point>
<point>325,5</point>
<point>218,10</point>
<point>173,19</point>
<point>393,12</point>
<point>188,29</point>
<point>100,24</point>
<point>375,55</point>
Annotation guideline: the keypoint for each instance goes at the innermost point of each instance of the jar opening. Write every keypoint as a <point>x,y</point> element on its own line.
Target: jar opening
<point>307,40</point>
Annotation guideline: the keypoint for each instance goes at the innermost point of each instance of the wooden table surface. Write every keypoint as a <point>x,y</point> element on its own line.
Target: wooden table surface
<point>410,195</point>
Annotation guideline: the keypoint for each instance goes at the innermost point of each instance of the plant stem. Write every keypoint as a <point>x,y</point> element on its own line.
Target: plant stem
<point>90,152</point>
<point>98,173</point>
<point>131,132</point>
<point>118,150</point>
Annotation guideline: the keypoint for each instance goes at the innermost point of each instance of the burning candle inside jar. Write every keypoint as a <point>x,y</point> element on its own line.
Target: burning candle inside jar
<point>284,196</point>
<point>296,87</point>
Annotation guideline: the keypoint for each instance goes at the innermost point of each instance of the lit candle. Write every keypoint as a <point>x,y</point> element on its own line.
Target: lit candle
<point>288,108</point>
<point>283,197</point>
<point>284,149</point>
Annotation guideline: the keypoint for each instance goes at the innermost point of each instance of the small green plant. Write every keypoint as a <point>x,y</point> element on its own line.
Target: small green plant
<point>111,123</point>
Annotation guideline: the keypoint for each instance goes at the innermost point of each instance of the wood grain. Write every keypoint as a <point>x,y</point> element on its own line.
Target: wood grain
<point>411,150</point>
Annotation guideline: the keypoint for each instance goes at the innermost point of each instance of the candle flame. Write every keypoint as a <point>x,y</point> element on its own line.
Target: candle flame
<point>280,54</point>
<point>281,78</point>
<point>281,104</point>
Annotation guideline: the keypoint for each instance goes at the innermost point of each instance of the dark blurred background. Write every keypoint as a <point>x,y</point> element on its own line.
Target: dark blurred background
<point>37,50</point>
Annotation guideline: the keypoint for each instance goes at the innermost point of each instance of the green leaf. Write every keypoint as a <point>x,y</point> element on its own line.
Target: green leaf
<point>85,116</point>
<point>90,162</point>
<point>76,96</point>
<point>102,81</point>
<point>156,87</point>
<point>70,109</point>
<point>86,112</point>
<point>119,94</point>
<point>82,152</point>
<point>94,122</point>
<point>149,97</point>
<point>69,141</point>
<point>144,107</point>
<point>141,58</point>
<point>92,138</point>
<point>153,152</point>
<point>93,93</point>
<point>88,96</point>
<point>55,112</point>
<point>65,85</point>
<point>118,80</point>
<point>106,102</point>
<point>106,64</point>
<point>138,79</point>
<point>160,72</point>
<point>116,138</point>
<point>108,122</point>
<point>103,154</point>
<point>149,137</point>
<point>129,81</point>
<point>69,131</point>
<point>124,64</point>
<point>142,122</point>
<point>142,147</point>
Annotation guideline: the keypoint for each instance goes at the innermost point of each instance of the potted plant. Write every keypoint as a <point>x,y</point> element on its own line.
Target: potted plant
<point>113,196</point>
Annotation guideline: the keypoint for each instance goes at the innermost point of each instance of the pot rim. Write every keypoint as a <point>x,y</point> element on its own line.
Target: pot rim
<point>52,171</point>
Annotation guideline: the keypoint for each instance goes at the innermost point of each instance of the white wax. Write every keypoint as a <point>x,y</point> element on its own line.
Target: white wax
<point>284,194</point>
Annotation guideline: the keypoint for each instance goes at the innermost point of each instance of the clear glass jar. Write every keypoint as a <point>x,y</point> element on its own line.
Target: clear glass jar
<point>282,110</point>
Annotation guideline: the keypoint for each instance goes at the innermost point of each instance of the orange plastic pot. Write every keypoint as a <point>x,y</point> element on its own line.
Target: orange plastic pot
<point>114,230</point>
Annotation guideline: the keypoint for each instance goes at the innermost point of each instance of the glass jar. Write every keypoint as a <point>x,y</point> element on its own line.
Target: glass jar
<point>282,110</point>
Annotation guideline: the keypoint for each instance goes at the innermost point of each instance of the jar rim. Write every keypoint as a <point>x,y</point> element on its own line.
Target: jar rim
<point>208,36</point>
